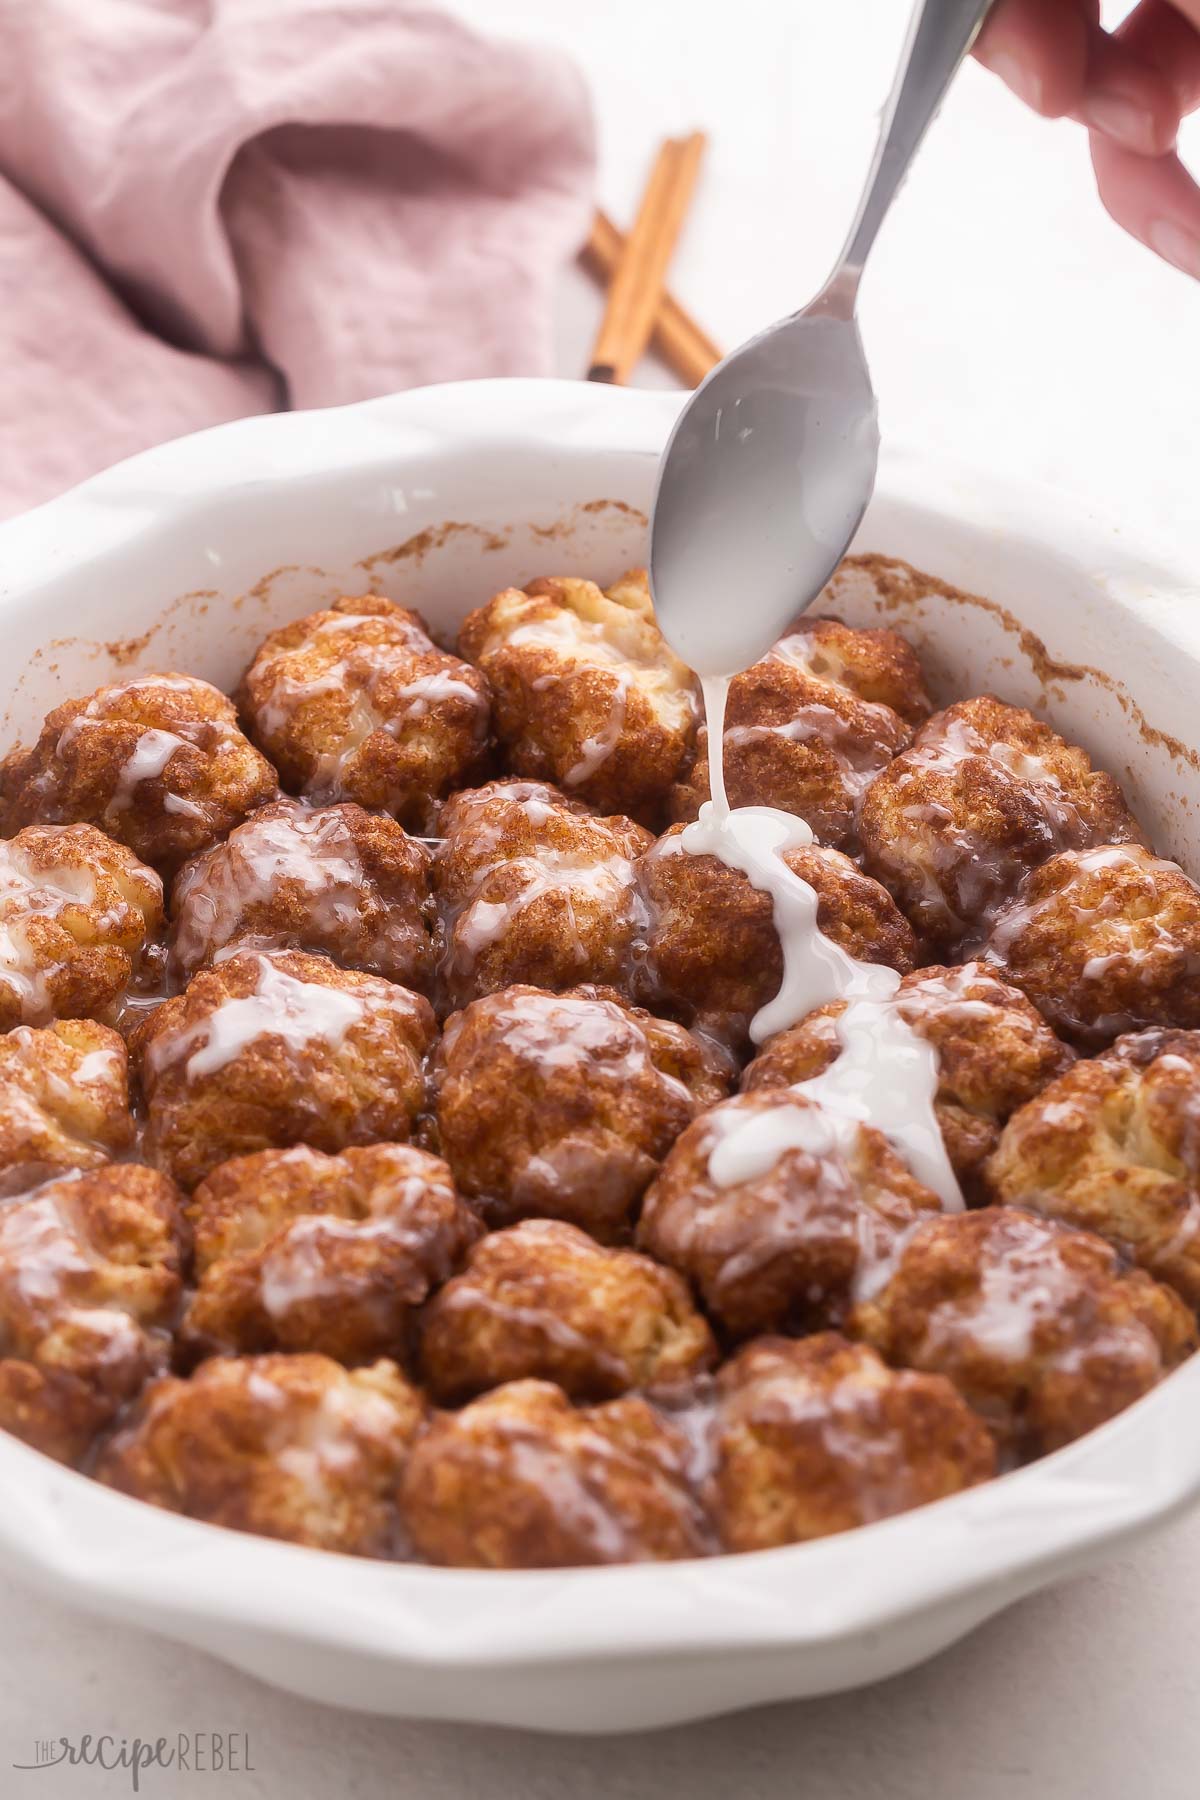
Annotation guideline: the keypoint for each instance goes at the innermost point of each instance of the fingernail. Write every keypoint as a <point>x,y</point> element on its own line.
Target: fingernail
<point>1121,119</point>
<point>1175,245</point>
<point>1025,82</point>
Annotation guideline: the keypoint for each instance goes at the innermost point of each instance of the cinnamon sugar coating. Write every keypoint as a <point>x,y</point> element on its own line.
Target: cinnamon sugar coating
<point>358,703</point>
<point>810,726</point>
<point>1113,1146</point>
<point>587,692</point>
<point>155,761</point>
<point>984,793</point>
<point>297,1250</point>
<point>1104,941</point>
<point>521,1479</point>
<point>1042,1328</point>
<point>564,1105</point>
<point>544,1300</point>
<point>291,1447</point>
<point>819,1436</point>
<point>64,1101</point>
<point>272,1049</point>
<point>76,910</point>
<point>90,1282</point>
<point>532,887</point>
<point>334,880</point>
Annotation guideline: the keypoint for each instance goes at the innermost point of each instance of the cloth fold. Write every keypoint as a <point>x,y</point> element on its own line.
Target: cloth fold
<point>215,207</point>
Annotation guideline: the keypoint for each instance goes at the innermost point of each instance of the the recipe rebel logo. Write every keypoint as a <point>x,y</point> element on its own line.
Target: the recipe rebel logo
<point>189,1752</point>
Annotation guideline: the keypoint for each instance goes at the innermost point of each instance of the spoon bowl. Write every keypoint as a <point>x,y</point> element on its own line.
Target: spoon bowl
<point>763,484</point>
<point>771,465</point>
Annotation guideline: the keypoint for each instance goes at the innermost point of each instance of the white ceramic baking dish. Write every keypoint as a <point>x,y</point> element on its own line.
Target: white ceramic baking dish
<point>183,558</point>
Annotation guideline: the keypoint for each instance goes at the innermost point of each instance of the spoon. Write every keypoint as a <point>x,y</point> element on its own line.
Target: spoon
<point>772,462</point>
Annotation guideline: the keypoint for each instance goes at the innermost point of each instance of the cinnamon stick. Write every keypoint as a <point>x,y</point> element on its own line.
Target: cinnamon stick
<point>637,285</point>
<point>684,346</point>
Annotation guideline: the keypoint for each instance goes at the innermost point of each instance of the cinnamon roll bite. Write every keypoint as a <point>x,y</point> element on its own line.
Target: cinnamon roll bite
<point>357,702</point>
<point>587,692</point>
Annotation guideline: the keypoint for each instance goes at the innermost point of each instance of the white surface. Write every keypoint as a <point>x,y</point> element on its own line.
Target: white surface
<point>997,297</point>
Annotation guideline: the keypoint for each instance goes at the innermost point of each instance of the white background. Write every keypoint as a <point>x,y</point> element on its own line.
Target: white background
<point>1008,323</point>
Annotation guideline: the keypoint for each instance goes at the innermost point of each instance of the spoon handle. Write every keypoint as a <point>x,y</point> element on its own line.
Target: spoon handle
<point>939,35</point>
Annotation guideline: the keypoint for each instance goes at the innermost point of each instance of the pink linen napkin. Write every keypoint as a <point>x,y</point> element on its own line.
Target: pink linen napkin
<point>217,207</point>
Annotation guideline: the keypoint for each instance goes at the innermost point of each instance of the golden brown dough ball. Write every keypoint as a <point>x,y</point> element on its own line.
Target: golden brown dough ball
<point>89,1286</point>
<point>779,1239</point>
<point>358,703</point>
<point>545,1300</point>
<point>587,692</point>
<point>563,1105</point>
<point>809,727</point>
<point>156,761</point>
<point>713,955</point>
<point>296,1250</point>
<point>521,1479</point>
<point>1040,1327</point>
<point>76,910</point>
<point>1104,941</point>
<point>347,884</point>
<point>533,887</point>
<point>994,1051</point>
<point>1112,1146</point>
<point>819,1436</point>
<point>64,1101</point>
<point>985,793</point>
<point>268,1050</point>
<point>291,1447</point>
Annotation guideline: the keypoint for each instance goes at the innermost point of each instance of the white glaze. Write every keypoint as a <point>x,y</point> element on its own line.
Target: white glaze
<point>886,1074</point>
<point>280,1006</point>
<point>149,757</point>
<point>596,750</point>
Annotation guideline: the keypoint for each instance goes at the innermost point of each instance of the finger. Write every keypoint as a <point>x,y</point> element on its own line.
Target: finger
<point>1127,97</point>
<point>1039,48</point>
<point>1160,35</point>
<point>1153,198</point>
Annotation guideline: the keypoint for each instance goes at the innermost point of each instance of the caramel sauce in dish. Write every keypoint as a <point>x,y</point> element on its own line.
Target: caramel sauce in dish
<point>886,1074</point>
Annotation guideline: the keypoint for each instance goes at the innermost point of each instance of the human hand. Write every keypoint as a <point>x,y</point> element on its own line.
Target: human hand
<point>1130,87</point>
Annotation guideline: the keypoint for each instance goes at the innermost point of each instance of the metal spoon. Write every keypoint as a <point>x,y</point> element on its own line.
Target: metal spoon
<point>771,464</point>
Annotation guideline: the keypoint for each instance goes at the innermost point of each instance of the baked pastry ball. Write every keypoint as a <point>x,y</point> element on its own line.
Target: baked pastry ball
<point>809,727</point>
<point>347,884</point>
<point>533,887</point>
<point>1104,941</point>
<point>788,1244</point>
<point>64,1101</point>
<point>1041,1327</point>
<point>76,910</point>
<point>358,703</point>
<point>994,1053</point>
<point>564,1105</point>
<point>984,793</point>
<point>296,1250</point>
<point>521,1479</point>
<point>89,1287</point>
<point>1112,1146</point>
<point>818,1435</point>
<point>712,953</point>
<point>587,692</point>
<point>545,1300</point>
<point>156,761</point>
<point>267,1050</point>
<point>289,1447</point>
